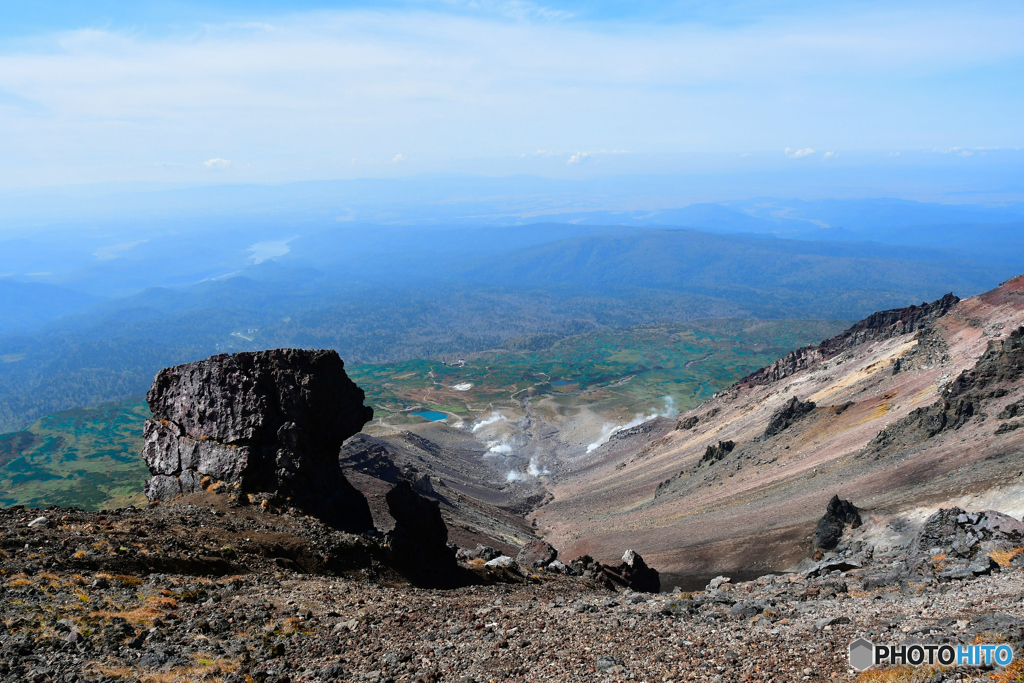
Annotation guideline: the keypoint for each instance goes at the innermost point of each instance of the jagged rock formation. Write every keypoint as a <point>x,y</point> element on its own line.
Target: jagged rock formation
<point>839,515</point>
<point>716,452</point>
<point>418,545</point>
<point>994,375</point>
<point>266,421</point>
<point>876,327</point>
<point>787,415</point>
<point>634,573</point>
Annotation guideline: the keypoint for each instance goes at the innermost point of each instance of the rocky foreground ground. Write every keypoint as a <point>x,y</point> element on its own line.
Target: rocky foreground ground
<point>193,590</point>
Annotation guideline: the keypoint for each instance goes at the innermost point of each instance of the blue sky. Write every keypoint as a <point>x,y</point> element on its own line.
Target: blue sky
<point>264,91</point>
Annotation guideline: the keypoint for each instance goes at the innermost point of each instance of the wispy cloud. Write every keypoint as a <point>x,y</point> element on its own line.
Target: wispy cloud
<point>217,164</point>
<point>830,155</point>
<point>799,153</point>
<point>301,94</point>
<point>398,158</point>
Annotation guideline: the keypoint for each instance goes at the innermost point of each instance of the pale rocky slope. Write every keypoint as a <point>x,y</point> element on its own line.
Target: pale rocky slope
<point>753,508</point>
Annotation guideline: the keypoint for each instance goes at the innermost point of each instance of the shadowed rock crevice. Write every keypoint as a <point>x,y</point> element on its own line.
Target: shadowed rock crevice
<point>266,421</point>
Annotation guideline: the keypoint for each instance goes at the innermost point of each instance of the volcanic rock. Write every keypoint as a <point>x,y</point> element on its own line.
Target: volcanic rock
<point>716,452</point>
<point>839,514</point>
<point>481,552</point>
<point>537,554</point>
<point>877,326</point>
<point>635,574</point>
<point>266,421</point>
<point>964,534</point>
<point>418,545</point>
<point>787,415</point>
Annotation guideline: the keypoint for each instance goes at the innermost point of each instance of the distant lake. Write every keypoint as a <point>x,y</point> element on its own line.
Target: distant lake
<point>563,382</point>
<point>432,415</point>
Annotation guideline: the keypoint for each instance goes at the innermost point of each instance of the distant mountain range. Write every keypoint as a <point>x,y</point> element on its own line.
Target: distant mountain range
<point>99,294</point>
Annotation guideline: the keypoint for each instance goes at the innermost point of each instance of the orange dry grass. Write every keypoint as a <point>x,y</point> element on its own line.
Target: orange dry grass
<point>206,670</point>
<point>291,625</point>
<point>138,616</point>
<point>161,602</point>
<point>1014,672</point>
<point>123,579</point>
<point>19,582</point>
<point>899,674</point>
<point>477,562</point>
<point>1003,557</point>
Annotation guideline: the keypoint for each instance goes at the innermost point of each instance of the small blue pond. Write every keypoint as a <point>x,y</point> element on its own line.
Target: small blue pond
<point>563,382</point>
<point>432,415</point>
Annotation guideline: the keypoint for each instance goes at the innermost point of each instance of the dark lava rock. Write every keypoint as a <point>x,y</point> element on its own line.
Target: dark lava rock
<point>537,554</point>
<point>480,552</point>
<point>716,452</point>
<point>877,326</point>
<point>964,534</point>
<point>266,421</point>
<point>635,574</point>
<point>838,515</point>
<point>784,418</point>
<point>688,422</point>
<point>418,545</point>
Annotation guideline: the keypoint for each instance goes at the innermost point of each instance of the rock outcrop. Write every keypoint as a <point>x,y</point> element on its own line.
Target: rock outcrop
<point>537,554</point>
<point>784,418</point>
<point>634,573</point>
<point>876,327</point>
<point>266,421</point>
<point>839,514</point>
<point>418,545</point>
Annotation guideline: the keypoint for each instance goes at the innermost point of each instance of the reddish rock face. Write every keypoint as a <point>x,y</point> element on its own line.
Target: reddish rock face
<point>266,421</point>
<point>537,554</point>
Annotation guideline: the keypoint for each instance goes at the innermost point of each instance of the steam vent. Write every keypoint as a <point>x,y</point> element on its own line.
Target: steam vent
<point>264,421</point>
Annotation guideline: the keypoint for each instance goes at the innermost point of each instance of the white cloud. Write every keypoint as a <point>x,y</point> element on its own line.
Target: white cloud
<point>217,164</point>
<point>398,158</point>
<point>799,153</point>
<point>114,251</point>
<point>301,92</point>
<point>830,155</point>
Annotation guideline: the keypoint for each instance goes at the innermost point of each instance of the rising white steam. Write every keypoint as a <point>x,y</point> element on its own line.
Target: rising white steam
<point>610,429</point>
<point>495,417</point>
<point>535,470</point>
<point>501,447</point>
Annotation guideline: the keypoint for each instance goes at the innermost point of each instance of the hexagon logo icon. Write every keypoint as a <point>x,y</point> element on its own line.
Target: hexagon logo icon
<point>862,654</point>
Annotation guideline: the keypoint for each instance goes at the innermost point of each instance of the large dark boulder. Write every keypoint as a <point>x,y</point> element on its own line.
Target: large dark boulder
<point>265,421</point>
<point>634,573</point>
<point>839,514</point>
<point>966,534</point>
<point>537,554</point>
<point>418,545</point>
